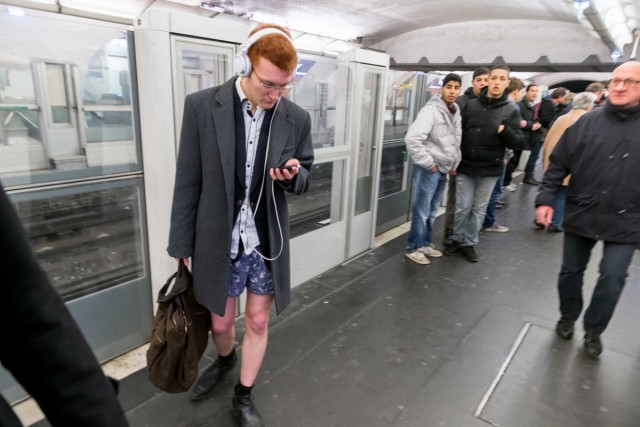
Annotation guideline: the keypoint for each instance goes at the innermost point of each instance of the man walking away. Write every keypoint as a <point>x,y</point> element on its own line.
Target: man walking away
<point>601,153</point>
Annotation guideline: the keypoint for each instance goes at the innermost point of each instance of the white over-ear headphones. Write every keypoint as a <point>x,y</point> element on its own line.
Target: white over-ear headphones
<point>241,62</point>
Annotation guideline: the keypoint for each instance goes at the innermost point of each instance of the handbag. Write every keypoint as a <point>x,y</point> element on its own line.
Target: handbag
<point>180,335</point>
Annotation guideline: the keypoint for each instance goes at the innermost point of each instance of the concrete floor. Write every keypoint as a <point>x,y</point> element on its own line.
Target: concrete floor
<point>382,341</point>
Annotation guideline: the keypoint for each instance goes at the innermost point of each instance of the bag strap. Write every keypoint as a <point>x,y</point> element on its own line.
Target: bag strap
<point>181,281</point>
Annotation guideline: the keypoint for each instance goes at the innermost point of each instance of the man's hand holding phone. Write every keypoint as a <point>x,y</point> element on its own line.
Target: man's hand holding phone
<point>285,172</point>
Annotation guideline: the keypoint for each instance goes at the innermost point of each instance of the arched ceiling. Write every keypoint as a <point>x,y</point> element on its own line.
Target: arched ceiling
<point>531,35</point>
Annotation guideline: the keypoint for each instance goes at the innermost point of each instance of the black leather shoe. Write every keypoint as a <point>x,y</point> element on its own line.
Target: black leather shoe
<point>245,412</point>
<point>530,180</point>
<point>592,344</point>
<point>553,229</point>
<point>564,328</point>
<point>469,253</point>
<point>211,377</point>
<point>451,248</point>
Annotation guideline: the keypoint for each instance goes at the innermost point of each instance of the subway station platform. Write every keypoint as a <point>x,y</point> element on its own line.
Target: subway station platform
<point>382,341</point>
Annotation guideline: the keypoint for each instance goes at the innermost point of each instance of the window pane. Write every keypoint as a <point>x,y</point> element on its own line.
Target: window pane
<point>320,89</point>
<point>396,118</point>
<point>56,88</point>
<point>322,204</point>
<point>392,168</point>
<point>66,109</point>
<point>366,140</point>
<point>85,241</point>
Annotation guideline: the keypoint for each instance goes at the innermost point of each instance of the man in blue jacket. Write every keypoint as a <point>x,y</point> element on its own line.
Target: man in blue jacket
<point>601,153</point>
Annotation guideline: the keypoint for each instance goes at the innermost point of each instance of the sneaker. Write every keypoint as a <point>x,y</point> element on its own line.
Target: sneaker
<point>530,180</point>
<point>418,257</point>
<point>430,250</point>
<point>554,229</point>
<point>511,187</point>
<point>564,328</point>
<point>496,229</point>
<point>469,253</point>
<point>592,344</point>
<point>451,248</point>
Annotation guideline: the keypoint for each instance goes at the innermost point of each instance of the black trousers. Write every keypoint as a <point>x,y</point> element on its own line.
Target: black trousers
<point>614,265</point>
<point>511,167</point>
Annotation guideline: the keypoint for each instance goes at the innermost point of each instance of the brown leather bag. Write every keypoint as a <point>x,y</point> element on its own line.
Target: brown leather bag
<point>179,336</point>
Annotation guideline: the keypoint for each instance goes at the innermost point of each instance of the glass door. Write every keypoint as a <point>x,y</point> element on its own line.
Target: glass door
<point>393,190</point>
<point>58,100</point>
<point>197,64</point>
<point>366,134</point>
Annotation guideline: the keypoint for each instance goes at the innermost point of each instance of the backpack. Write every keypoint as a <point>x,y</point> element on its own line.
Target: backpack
<point>179,336</point>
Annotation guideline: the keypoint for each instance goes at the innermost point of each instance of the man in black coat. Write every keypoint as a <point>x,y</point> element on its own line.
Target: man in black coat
<point>42,346</point>
<point>490,123</point>
<point>601,153</point>
<point>480,79</point>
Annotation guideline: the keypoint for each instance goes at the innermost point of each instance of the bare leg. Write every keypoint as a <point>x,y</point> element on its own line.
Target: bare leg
<point>254,343</point>
<point>223,328</point>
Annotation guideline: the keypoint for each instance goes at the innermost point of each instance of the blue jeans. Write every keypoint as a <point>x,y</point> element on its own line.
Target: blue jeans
<point>490,216</point>
<point>472,197</point>
<point>614,264</point>
<point>428,187</point>
<point>535,144</point>
<point>558,207</point>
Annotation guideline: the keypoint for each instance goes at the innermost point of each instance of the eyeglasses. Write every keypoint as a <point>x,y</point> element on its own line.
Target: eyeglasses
<point>625,82</point>
<point>269,86</point>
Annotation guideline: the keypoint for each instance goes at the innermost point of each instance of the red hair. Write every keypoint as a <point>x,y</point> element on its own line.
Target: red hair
<point>274,47</point>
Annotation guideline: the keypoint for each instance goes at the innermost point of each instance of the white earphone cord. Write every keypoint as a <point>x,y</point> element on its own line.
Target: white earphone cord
<point>273,195</point>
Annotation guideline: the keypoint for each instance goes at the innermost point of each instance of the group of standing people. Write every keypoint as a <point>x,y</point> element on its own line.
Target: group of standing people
<point>589,189</point>
<point>474,131</point>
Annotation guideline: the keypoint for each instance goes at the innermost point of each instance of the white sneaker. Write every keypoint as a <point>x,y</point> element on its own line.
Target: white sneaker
<point>431,251</point>
<point>496,229</point>
<point>418,257</point>
<point>511,187</point>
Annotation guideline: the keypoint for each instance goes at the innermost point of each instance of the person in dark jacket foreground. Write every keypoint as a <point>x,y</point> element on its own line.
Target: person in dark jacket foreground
<point>601,153</point>
<point>490,123</point>
<point>42,346</point>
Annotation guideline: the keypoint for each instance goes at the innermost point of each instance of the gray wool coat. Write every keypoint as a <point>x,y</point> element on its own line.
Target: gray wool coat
<point>203,199</point>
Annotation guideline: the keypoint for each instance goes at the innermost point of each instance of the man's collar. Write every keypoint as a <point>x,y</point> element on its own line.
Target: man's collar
<point>241,93</point>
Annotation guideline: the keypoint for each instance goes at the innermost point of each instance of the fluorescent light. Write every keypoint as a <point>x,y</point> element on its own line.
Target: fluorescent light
<point>15,11</point>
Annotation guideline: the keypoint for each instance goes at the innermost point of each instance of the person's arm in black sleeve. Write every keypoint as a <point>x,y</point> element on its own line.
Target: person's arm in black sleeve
<point>545,114</point>
<point>511,135</point>
<point>521,108</point>
<point>42,345</point>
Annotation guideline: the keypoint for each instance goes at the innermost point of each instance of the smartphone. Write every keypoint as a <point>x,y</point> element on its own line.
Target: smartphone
<point>287,167</point>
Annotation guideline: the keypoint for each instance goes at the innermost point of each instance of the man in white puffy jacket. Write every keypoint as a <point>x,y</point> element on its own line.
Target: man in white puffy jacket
<point>433,142</point>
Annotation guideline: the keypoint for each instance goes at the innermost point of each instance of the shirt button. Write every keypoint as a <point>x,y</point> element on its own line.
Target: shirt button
<point>248,165</point>
<point>250,142</point>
